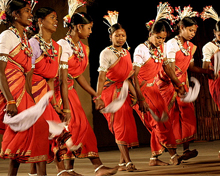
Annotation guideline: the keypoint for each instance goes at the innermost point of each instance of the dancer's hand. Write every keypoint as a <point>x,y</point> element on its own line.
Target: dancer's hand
<point>11,110</point>
<point>99,104</point>
<point>143,106</point>
<point>58,110</point>
<point>66,118</point>
<point>181,92</point>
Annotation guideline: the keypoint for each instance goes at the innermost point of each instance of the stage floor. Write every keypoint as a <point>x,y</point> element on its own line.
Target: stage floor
<point>206,163</point>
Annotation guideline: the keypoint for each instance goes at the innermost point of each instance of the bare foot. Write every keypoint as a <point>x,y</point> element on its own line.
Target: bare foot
<point>176,160</point>
<point>122,168</point>
<point>74,173</point>
<point>130,167</point>
<point>157,162</point>
<point>106,171</point>
<point>189,154</point>
<point>64,173</point>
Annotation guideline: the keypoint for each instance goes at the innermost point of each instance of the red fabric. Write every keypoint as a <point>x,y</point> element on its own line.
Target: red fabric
<point>182,114</point>
<point>79,125</point>
<point>22,145</point>
<point>161,133</point>
<point>121,123</point>
<point>45,68</point>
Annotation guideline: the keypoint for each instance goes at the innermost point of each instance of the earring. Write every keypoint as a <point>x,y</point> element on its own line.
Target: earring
<point>16,18</point>
<point>41,25</point>
<point>80,31</point>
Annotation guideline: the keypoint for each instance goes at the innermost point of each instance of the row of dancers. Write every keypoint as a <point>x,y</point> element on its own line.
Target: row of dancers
<point>153,85</point>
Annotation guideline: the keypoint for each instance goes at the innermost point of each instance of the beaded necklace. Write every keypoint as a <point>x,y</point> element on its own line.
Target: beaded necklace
<point>77,50</point>
<point>45,47</point>
<point>24,42</point>
<point>184,50</point>
<point>157,58</point>
<point>121,53</point>
<point>215,41</point>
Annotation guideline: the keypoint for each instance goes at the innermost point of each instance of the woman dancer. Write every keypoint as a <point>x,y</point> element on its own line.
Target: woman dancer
<point>208,53</point>
<point>45,62</point>
<point>180,53</point>
<point>116,67</point>
<point>74,61</point>
<point>149,59</point>
<point>209,50</point>
<point>15,63</point>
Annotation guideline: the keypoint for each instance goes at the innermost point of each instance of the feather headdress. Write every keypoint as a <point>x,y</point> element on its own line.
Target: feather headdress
<point>112,18</point>
<point>3,4</point>
<point>186,12</point>
<point>32,4</point>
<point>164,11</point>
<point>209,12</point>
<point>73,5</point>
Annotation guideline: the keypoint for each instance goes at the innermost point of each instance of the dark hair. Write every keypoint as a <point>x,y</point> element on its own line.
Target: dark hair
<point>217,26</point>
<point>80,18</point>
<point>40,13</point>
<point>160,26</point>
<point>114,28</point>
<point>186,22</point>
<point>14,5</point>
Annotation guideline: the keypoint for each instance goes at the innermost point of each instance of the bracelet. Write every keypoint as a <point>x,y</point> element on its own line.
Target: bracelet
<point>66,110</point>
<point>11,102</point>
<point>96,98</point>
<point>179,84</point>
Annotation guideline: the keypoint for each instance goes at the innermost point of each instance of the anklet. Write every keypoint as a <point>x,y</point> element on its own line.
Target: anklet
<point>172,157</point>
<point>122,164</point>
<point>98,168</point>
<point>128,163</point>
<point>32,174</point>
<point>153,158</point>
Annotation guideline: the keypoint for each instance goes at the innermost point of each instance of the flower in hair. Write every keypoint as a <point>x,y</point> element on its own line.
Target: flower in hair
<point>209,12</point>
<point>3,4</point>
<point>150,24</point>
<point>186,12</point>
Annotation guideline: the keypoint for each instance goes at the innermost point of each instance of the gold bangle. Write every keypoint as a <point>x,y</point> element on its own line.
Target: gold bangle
<point>11,102</point>
<point>142,99</point>
<point>66,110</point>
<point>96,98</point>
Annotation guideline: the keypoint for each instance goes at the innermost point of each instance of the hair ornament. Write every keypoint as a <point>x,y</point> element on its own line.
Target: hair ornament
<point>32,4</point>
<point>209,12</point>
<point>186,12</point>
<point>112,18</point>
<point>73,6</point>
<point>164,11</point>
<point>3,5</point>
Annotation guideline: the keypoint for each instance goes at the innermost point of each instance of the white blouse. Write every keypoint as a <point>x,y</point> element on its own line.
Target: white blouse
<point>172,49</point>
<point>106,59</point>
<point>208,50</point>
<point>8,41</point>
<point>142,55</point>
<point>66,50</point>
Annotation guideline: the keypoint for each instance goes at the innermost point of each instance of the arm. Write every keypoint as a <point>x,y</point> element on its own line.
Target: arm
<point>28,83</point>
<point>171,74</point>
<point>85,85</point>
<point>63,73</point>
<point>11,108</point>
<point>100,85</point>
<point>143,106</point>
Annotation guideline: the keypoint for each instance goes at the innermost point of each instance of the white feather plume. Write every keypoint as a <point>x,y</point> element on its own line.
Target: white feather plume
<point>186,12</point>
<point>209,12</point>
<point>73,5</point>
<point>112,17</point>
<point>164,11</point>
